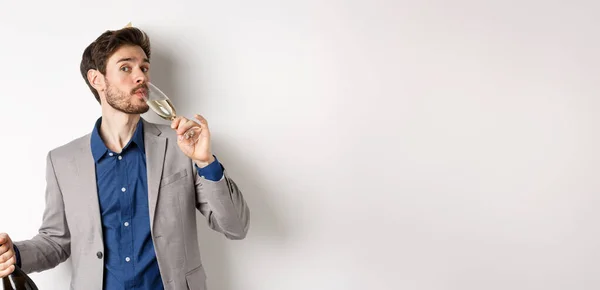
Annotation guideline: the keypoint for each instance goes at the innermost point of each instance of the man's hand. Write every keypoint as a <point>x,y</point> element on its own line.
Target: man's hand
<point>7,256</point>
<point>199,152</point>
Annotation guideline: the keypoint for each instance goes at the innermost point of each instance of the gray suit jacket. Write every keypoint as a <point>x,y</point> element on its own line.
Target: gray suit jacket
<point>72,227</point>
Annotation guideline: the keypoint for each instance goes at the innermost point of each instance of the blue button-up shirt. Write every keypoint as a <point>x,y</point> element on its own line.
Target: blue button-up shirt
<point>121,179</point>
<point>130,262</point>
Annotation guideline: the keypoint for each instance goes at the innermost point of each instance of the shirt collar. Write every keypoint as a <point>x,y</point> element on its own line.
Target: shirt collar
<point>99,148</point>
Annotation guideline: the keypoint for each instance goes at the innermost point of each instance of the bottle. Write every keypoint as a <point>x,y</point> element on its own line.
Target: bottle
<point>18,280</point>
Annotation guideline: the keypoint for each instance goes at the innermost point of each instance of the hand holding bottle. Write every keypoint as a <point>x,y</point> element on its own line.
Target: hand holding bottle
<point>7,256</point>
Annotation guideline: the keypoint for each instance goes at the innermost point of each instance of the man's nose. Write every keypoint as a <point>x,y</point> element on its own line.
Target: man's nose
<point>140,77</point>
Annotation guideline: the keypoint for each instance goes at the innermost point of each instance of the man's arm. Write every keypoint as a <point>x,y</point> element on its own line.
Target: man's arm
<point>220,200</point>
<point>52,245</point>
<point>217,196</point>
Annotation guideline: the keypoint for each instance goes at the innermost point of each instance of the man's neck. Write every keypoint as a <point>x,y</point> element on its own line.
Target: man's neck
<point>117,129</point>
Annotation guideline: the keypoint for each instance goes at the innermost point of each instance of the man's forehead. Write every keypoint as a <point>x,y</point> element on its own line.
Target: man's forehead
<point>129,53</point>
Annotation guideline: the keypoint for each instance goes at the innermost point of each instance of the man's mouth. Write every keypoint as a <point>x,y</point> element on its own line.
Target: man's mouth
<point>140,92</point>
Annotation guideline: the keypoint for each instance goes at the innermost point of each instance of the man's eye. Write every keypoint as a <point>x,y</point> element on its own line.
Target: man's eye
<point>125,69</point>
<point>145,69</point>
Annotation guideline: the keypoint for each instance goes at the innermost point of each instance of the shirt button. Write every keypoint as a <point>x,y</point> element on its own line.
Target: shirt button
<point>120,157</point>
<point>99,255</point>
<point>123,189</point>
<point>127,259</point>
<point>126,224</point>
<point>110,154</point>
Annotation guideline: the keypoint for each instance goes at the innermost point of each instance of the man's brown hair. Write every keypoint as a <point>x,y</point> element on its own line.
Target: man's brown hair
<point>98,52</point>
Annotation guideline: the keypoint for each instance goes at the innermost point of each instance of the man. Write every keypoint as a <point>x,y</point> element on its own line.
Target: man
<point>121,200</point>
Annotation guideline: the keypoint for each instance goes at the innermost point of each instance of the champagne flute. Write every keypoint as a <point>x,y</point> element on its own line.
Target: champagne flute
<point>163,107</point>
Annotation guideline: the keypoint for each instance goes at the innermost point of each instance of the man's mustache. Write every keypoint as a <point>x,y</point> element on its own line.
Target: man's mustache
<point>142,86</point>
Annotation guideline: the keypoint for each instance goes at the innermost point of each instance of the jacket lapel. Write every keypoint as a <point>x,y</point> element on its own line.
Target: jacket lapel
<point>155,158</point>
<point>86,183</point>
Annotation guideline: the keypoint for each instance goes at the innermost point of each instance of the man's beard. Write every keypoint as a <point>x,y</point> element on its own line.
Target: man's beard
<point>121,101</point>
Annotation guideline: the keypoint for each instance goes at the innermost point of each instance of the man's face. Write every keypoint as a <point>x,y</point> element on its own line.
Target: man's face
<point>127,74</point>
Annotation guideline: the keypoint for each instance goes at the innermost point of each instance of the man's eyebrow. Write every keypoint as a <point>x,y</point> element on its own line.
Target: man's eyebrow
<point>131,59</point>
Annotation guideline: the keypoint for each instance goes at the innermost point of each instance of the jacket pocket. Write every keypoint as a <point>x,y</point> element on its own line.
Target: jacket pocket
<point>173,177</point>
<point>196,279</point>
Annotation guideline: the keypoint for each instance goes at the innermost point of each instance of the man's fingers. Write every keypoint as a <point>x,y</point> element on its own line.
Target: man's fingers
<point>177,122</point>
<point>184,126</point>
<point>4,248</point>
<point>5,243</point>
<point>7,271</point>
<point>7,257</point>
<point>201,119</point>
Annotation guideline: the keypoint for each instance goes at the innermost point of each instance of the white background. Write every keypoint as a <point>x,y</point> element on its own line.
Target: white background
<point>379,144</point>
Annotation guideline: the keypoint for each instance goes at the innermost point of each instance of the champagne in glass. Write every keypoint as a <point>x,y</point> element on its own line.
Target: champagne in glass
<point>163,107</point>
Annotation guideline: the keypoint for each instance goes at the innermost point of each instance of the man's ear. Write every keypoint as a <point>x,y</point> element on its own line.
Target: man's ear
<point>96,79</point>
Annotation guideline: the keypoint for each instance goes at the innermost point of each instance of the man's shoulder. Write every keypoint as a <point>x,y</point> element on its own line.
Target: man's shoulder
<point>72,147</point>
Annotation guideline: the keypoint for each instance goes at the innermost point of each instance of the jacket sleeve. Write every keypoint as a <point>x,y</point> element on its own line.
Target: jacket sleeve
<point>222,203</point>
<point>52,245</point>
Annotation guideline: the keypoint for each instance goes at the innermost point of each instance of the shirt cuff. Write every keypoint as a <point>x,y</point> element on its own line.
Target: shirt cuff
<point>18,256</point>
<point>213,171</point>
